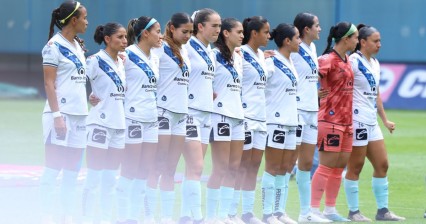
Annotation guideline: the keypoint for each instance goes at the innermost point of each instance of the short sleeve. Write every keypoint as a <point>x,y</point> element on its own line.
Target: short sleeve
<point>50,55</point>
<point>270,69</point>
<point>92,64</point>
<point>324,64</point>
<point>354,62</point>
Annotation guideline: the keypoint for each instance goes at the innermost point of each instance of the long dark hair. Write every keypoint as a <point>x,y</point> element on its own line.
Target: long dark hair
<point>105,30</point>
<point>135,27</point>
<point>302,20</point>
<point>66,9</point>
<point>227,24</point>
<point>336,33</point>
<point>364,32</point>
<point>281,32</point>
<point>176,20</point>
<point>253,23</point>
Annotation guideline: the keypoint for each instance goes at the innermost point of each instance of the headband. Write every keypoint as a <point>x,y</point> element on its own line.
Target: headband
<point>350,31</point>
<point>151,22</point>
<point>76,7</point>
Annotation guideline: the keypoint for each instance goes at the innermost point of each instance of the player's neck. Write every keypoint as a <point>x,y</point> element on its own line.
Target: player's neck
<point>285,52</point>
<point>253,46</point>
<point>68,34</point>
<point>112,53</point>
<point>366,54</point>
<point>145,48</point>
<point>202,39</point>
<point>340,50</point>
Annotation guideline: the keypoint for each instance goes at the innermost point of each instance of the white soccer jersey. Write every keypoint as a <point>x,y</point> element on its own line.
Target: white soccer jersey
<point>254,82</point>
<point>141,79</point>
<point>366,84</point>
<point>227,86</point>
<point>306,64</point>
<point>70,80</point>
<point>172,85</point>
<point>281,87</point>
<point>200,89</point>
<point>108,83</point>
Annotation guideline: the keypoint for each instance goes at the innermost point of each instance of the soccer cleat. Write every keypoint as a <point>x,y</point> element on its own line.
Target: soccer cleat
<point>227,221</point>
<point>213,221</point>
<point>132,221</point>
<point>336,217</point>
<point>424,215</point>
<point>150,221</point>
<point>185,220</point>
<point>167,221</point>
<point>249,218</point>
<point>271,220</point>
<point>236,219</point>
<point>358,217</point>
<point>312,217</point>
<point>284,218</point>
<point>389,216</point>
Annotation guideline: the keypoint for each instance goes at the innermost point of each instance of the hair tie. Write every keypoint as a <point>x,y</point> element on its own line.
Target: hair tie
<point>194,15</point>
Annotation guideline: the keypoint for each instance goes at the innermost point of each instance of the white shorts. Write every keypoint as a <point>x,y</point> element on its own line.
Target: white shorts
<point>281,137</point>
<point>364,133</point>
<point>226,128</point>
<point>255,134</point>
<point>307,130</point>
<point>198,126</point>
<point>138,132</point>
<point>76,131</point>
<point>170,123</point>
<point>104,138</point>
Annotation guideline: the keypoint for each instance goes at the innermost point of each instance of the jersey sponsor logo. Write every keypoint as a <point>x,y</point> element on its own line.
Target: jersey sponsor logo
<point>361,134</point>
<point>248,138</point>
<point>284,69</point>
<point>299,131</point>
<point>203,54</point>
<point>191,131</point>
<point>278,137</point>
<point>333,140</point>
<point>223,129</point>
<point>135,131</point>
<point>247,56</point>
<point>163,123</point>
<point>99,136</point>
<point>72,57</point>
<point>308,59</point>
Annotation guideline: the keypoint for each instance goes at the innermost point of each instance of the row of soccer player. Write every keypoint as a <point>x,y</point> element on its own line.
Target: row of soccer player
<point>156,97</point>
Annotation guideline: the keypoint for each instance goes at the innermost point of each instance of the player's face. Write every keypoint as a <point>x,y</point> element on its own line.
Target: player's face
<point>235,36</point>
<point>210,29</point>
<point>295,41</point>
<point>352,41</point>
<point>118,41</point>
<point>154,35</point>
<point>81,21</point>
<point>372,44</point>
<point>263,35</point>
<point>314,31</point>
<point>183,33</point>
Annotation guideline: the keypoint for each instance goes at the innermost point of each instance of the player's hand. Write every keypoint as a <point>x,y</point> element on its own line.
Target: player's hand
<point>214,95</point>
<point>238,51</point>
<point>390,126</point>
<point>122,56</point>
<point>268,53</point>
<point>60,127</point>
<point>322,93</point>
<point>94,100</point>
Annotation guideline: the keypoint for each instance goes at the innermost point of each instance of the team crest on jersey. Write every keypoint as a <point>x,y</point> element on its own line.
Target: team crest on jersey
<point>244,105</point>
<point>277,114</point>
<point>191,96</point>
<point>132,109</point>
<point>219,104</point>
<point>102,116</point>
<point>333,140</point>
<point>99,136</point>
<point>164,98</point>
<point>356,111</point>
<point>135,131</point>
<point>248,138</point>
<point>278,137</point>
<point>223,129</point>
<point>163,123</point>
<point>63,100</point>
<point>191,131</point>
<point>361,134</point>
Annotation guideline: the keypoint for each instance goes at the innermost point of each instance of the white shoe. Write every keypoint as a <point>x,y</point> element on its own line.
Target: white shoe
<point>236,219</point>
<point>167,221</point>
<point>105,222</point>
<point>272,220</point>
<point>227,221</point>
<point>150,221</point>
<point>358,217</point>
<point>213,221</point>
<point>313,217</point>
<point>284,218</point>
<point>389,216</point>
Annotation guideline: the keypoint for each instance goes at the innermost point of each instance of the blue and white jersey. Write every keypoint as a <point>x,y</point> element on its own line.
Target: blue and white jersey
<point>254,82</point>
<point>108,83</point>
<point>227,86</point>
<point>70,81</point>
<point>200,89</point>
<point>172,85</point>
<point>366,85</point>
<point>306,64</point>
<point>141,79</point>
<point>281,88</point>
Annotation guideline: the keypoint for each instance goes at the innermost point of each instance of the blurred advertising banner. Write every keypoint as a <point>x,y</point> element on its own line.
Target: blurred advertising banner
<point>403,86</point>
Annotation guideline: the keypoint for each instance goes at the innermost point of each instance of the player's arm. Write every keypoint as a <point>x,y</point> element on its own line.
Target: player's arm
<point>381,111</point>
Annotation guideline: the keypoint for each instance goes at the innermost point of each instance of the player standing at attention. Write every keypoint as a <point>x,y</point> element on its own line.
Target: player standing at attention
<point>227,121</point>
<point>256,34</point>
<point>368,138</point>
<point>200,102</point>
<point>334,118</point>
<point>306,63</point>
<point>281,116</point>
<point>141,68</point>
<point>64,115</point>
<point>172,102</point>
<point>106,122</point>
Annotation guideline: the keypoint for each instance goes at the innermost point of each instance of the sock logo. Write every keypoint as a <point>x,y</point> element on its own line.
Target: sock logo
<point>135,131</point>
<point>223,129</point>
<point>361,134</point>
<point>278,137</point>
<point>191,131</point>
<point>99,136</point>
<point>277,199</point>
<point>163,123</point>
<point>247,139</point>
<point>333,140</point>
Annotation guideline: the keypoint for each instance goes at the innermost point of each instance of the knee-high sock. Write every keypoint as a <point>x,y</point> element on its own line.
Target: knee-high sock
<point>248,201</point>
<point>268,193</point>
<point>167,204</point>
<point>194,198</point>
<point>137,198</point>
<point>352,195</point>
<point>123,197</point>
<point>151,199</point>
<point>279,193</point>
<point>108,183</point>
<point>333,187</point>
<point>303,179</point>
<point>185,208</point>
<point>68,190</point>
<point>226,195</point>
<point>381,193</point>
<point>47,189</point>
<point>90,189</point>
<point>284,197</point>
<point>319,182</point>
<point>212,199</point>
<point>233,209</point>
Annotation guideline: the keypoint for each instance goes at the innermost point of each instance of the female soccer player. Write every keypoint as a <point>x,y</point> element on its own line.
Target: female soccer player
<point>105,123</point>
<point>64,116</point>
<point>256,34</point>
<point>368,138</point>
<point>141,68</point>
<point>200,102</point>
<point>306,64</point>
<point>227,121</point>
<point>334,118</point>
<point>281,118</point>
<point>172,102</point>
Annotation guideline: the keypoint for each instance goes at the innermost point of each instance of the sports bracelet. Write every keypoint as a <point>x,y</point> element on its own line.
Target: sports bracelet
<point>56,114</point>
